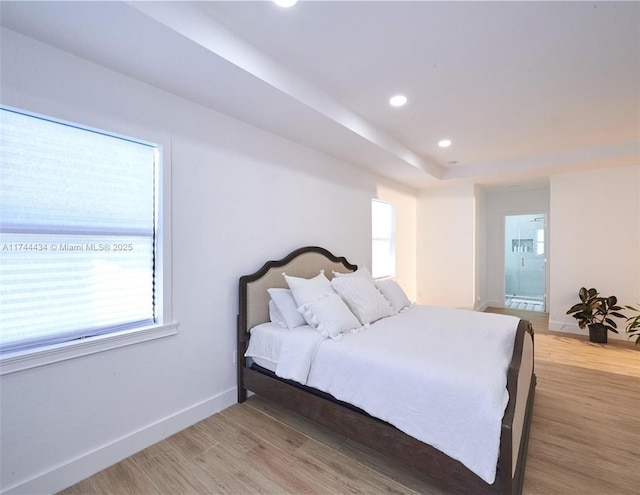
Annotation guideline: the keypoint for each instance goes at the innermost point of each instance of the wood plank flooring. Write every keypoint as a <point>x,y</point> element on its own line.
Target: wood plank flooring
<point>585,439</point>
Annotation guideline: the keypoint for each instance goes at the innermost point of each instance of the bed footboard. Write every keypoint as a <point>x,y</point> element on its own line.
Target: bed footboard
<point>516,423</point>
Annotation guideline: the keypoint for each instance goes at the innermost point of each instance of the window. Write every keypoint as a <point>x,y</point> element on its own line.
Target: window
<point>383,249</point>
<point>79,238</point>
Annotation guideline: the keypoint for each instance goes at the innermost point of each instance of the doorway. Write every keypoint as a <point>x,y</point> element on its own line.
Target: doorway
<point>525,262</point>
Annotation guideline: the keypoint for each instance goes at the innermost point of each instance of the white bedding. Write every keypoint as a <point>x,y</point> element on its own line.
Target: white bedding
<point>288,353</point>
<point>437,374</point>
<point>265,344</point>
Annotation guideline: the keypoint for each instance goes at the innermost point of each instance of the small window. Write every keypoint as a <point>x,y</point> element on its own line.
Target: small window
<point>77,232</point>
<point>383,249</point>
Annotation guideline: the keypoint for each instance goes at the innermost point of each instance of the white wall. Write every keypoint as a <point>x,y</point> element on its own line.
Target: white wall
<point>500,204</point>
<point>595,239</point>
<point>240,196</point>
<point>446,246</point>
<point>461,243</point>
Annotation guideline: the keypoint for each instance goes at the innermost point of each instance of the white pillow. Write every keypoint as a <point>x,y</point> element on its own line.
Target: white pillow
<point>284,301</point>
<point>305,290</point>
<point>392,291</point>
<point>330,316</point>
<point>275,315</point>
<point>363,298</point>
<point>363,271</point>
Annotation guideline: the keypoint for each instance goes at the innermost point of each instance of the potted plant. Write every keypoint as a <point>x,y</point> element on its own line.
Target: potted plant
<point>596,313</point>
<point>633,324</point>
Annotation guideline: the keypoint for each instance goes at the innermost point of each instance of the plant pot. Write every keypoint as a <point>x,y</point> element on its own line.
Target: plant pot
<point>598,333</point>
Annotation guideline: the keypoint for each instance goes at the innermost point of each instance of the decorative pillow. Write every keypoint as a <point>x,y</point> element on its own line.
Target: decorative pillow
<point>363,271</point>
<point>330,316</point>
<point>363,298</point>
<point>393,293</point>
<point>275,315</point>
<point>283,300</point>
<point>305,290</point>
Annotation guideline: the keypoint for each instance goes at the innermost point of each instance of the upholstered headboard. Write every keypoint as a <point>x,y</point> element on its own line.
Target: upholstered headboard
<point>305,262</point>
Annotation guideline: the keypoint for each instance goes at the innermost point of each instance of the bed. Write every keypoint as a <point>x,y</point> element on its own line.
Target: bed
<point>444,471</point>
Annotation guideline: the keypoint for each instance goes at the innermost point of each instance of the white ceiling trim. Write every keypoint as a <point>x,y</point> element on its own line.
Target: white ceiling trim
<point>189,22</point>
<point>626,152</point>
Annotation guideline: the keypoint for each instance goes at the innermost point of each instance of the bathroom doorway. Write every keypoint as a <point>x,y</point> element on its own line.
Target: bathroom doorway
<point>525,261</point>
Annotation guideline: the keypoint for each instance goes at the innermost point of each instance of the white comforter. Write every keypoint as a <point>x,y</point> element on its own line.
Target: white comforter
<point>437,374</point>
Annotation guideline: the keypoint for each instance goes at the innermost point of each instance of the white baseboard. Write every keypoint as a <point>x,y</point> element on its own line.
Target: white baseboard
<point>482,306</point>
<point>92,462</point>
<point>560,326</point>
<point>497,303</point>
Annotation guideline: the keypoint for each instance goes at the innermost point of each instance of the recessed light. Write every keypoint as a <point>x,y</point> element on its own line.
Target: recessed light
<point>443,143</point>
<point>285,3</point>
<point>397,100</point>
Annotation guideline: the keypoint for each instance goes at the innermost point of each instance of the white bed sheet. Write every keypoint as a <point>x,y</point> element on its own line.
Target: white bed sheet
<point>437,374</point>
<point>288,353</point>
<point>265,344</point>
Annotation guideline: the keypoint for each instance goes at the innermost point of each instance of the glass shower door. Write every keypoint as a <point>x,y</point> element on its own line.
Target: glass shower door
<point>525,262</point>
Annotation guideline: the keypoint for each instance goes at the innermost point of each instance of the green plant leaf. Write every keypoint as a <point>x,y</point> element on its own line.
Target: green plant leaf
<point>595,304</point>
<point>577,307</point>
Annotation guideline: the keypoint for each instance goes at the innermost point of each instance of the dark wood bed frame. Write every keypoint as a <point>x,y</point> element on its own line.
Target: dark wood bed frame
<point>441,470</point>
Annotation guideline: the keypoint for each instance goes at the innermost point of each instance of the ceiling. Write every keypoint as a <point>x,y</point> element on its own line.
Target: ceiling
<point>523,89</point>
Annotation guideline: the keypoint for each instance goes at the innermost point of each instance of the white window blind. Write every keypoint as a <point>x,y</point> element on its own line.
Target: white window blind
<point>77,232</point>
<point>383,253</point>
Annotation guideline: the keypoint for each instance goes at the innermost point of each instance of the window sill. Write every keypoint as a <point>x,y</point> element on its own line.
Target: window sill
<point>33,358</point>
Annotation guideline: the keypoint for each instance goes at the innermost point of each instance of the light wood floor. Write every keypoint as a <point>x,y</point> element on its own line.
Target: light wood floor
<point>585,439</point>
